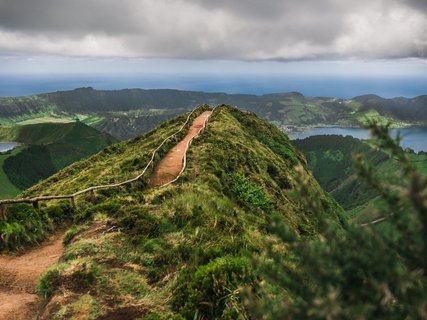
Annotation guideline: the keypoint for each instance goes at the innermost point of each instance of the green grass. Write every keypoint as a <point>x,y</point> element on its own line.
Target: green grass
<point>181,251</point>
<point>45,119</point>
<point>24,225</point>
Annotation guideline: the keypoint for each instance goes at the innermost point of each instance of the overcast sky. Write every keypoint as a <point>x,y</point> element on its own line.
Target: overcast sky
<point>220,29</point>
<point>214,36</point>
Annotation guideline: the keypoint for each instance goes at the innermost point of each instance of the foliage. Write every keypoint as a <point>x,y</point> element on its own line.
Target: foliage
<point>330,158</point>
<point>364,272</point>
<point>212,290</point>
<point>24,225</point>
<point>249,193</point>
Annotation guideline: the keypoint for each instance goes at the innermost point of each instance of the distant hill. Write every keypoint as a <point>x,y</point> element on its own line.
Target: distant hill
<point>129,112</point>
<point>330,157</point>
<point>45,149</point>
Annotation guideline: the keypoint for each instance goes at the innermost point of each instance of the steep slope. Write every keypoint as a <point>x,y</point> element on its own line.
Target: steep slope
<point>46,148</point>
<point>330,158</point>
<point>182,250</point>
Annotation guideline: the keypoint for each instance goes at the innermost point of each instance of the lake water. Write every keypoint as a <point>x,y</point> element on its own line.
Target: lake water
<point>414,137</point>
<point>6,146</point>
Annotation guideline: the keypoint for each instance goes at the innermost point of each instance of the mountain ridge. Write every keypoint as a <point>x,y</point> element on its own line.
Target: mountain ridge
<point>157,251</point>
<point>128,112</point>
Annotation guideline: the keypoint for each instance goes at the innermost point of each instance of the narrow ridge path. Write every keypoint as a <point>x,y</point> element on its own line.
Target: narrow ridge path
<point>19,276</point>
<point>172,164</point>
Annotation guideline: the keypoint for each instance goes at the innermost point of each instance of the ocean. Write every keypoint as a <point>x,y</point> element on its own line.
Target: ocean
<point>333,86</point>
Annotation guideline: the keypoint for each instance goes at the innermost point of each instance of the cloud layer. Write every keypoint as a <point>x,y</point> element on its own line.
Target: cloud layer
<point>221,29</point>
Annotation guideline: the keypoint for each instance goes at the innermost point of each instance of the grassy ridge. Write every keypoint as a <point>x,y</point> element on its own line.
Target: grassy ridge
<point>25,225</point>
<point>179,251</point>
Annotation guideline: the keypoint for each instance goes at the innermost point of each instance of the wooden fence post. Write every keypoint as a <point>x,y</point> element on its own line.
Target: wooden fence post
<point>72,202</point>
<point>92,196</point>
<point>2,212</point>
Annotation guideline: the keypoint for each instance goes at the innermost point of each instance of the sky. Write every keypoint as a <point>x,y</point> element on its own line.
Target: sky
<point>188,43</point>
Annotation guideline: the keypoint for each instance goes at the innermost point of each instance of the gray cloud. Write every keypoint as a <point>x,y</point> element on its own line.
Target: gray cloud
<point>221,29</point>
<point>418,5</point>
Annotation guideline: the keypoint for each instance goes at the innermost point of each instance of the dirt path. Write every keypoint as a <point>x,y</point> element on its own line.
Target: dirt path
<point>18,279</point>
<point>170,166</point>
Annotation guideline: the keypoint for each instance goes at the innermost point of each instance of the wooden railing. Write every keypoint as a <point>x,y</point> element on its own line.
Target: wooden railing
<point>91,190</point>
<point>184,160</point>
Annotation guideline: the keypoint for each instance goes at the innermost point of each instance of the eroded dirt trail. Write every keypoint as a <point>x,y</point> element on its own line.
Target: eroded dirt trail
<point>170,166</point>
<point>19,276</point>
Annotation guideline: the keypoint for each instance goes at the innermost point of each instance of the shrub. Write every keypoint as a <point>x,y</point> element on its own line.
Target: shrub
<point>211,290</point>
<point>72,232</point>
<point>24,225</point>
<point>49,280</point>
<point>59,212</point>
<point>139,222</point>
<point>249,193</point>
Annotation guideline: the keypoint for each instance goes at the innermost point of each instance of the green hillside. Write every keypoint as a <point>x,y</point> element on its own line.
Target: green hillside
<point>46,148</point>
<point>245,233</point>
<point>330,158</point>
<point>180,251</point>
<point>130,112</point>
<point>7,188</point>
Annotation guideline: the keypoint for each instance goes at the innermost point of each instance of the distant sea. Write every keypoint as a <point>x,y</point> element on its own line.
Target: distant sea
<point>333,86</point>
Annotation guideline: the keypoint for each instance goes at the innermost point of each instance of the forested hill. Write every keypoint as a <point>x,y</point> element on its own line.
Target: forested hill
<point>286,109</point>
<point>331,159</point>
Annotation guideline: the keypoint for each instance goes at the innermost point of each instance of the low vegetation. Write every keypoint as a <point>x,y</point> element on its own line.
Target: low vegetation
<point>25,225</point>
<point>246,232</point>
<point>182,251</point>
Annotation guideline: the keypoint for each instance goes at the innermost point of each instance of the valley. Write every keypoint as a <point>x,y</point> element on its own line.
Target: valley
<point>44,148</point>
<point>331,159</point>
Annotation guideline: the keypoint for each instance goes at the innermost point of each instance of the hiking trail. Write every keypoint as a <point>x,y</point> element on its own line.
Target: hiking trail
<point>173,164</point>
<point>19,275</point>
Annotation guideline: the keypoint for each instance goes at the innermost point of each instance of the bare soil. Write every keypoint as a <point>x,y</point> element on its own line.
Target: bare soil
<point>19,275</point>
<point>170,166</point>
